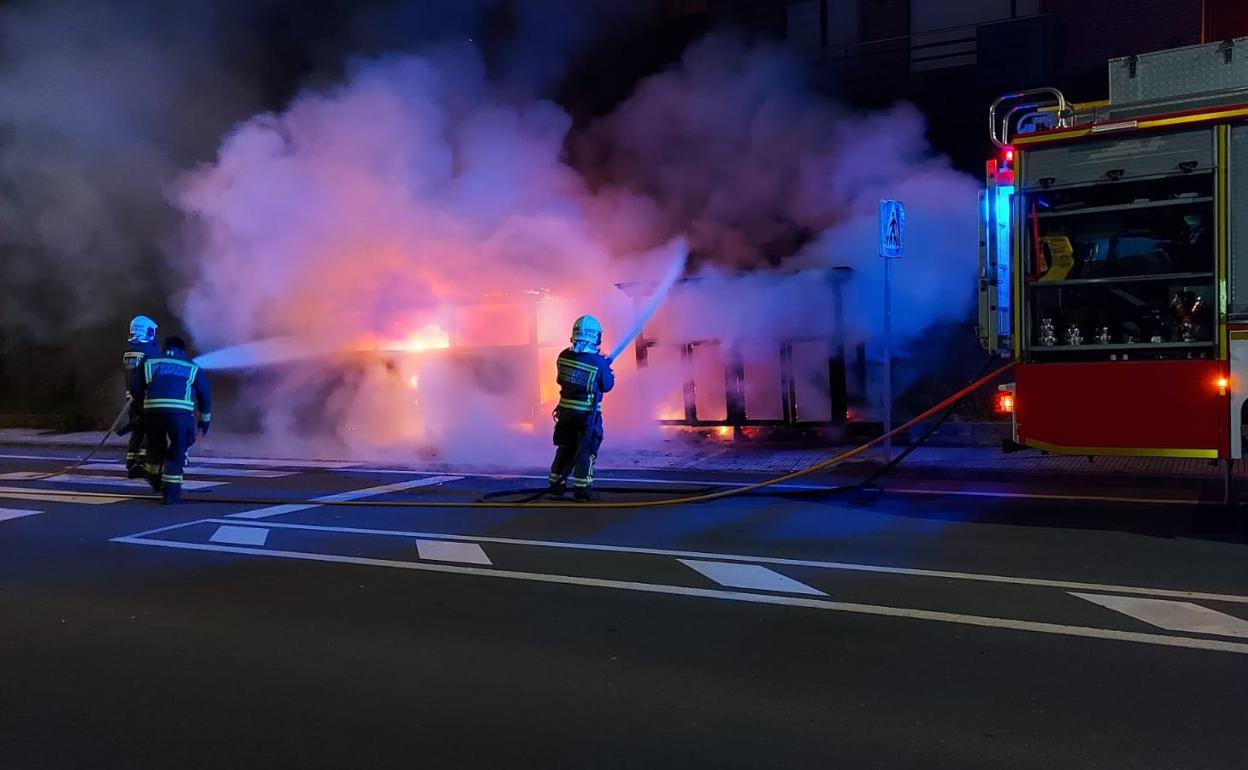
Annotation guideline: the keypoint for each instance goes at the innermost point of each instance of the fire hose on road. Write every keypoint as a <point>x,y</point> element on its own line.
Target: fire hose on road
<point>82,460</point>
<point>703,497</point>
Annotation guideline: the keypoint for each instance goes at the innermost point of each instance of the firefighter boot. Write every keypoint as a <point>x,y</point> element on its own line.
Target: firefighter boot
<point>582,495</point>
<point>556,489</point>
<point>134,468</point>
<point>153,480</point>
<point>172,494</point>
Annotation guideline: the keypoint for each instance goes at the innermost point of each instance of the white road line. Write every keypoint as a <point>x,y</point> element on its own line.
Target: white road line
<point>831,565</point>
<point>1050,496</point>
<point>265,463</point>
<point>716,483</point>
<point>735,575</point>
<point>240,535</point>
<point>442,550</point>
<point>198,460</point>
<point>8,514</point>
<point>273,510</point>
<point>355,494</point>
<point>105,481</point>
<point>709,593</point>
<point>600,479</point>
<point>1173,616</point>
<point>18,493</point>
<point>64,458</point>
<point>240,472</point>
<point>357,468</point>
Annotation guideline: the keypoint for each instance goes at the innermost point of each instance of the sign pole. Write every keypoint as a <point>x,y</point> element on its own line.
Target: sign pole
<point>892,238</point>
<point>888,358</point>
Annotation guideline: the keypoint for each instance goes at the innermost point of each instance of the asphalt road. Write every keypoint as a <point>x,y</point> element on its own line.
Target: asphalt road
<point>796,629</point>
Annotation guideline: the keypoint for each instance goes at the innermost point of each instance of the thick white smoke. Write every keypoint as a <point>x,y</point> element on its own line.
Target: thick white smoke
<point>370,216</point>
<point>363,216</point>
<point>734,150</point>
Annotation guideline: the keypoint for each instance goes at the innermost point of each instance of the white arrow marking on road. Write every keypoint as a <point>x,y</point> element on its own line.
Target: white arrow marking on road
<point>106,481</point>
<point>442,550</point>
<point>355,494</point>
<point>1173,616</point>
<point>8,514</point>
<point>240,535</point>
<point>749,576</point>
<point>241,472</point>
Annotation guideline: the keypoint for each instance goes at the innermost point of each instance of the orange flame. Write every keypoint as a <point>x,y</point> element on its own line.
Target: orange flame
<point>430,337</point>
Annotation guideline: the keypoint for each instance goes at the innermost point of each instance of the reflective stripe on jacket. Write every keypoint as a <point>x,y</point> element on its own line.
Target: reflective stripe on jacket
<point>171,383</point>
<point>583,378</point>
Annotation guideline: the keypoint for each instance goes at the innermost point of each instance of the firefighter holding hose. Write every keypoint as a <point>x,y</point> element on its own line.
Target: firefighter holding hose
<point>584,375</point>
<point>171,389</point>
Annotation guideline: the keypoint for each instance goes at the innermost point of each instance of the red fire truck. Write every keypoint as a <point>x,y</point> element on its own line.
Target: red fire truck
<point>1114,258</point>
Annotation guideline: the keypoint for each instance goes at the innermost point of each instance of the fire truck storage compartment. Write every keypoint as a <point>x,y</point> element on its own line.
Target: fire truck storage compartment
<point>1237,211</point>
<point>1120,270</point>
<point>1112,160</point>
<point>1140,407</point>
<point>1180,73</point>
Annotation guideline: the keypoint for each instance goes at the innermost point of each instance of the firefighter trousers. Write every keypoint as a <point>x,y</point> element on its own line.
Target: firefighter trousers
<point>578,436</point>
<point>169,436</point>
<point>137,439</point>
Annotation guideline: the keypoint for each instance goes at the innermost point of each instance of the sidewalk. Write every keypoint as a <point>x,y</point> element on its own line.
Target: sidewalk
<point>708,456</point>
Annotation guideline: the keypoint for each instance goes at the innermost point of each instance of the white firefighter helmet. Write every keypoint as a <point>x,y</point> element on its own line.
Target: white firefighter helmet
<point>142,329</point>
<point>586,333</point>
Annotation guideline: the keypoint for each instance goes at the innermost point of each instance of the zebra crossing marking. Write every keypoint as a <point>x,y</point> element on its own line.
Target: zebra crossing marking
<point>101,480</point>
<point>8,514</point>
<point>1172,616</point>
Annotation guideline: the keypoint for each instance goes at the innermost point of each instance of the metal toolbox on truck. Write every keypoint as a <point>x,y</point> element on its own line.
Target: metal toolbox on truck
<point>1185,73</point>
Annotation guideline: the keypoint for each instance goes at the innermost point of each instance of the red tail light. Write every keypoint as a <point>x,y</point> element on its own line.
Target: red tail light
<point>1005,402</point>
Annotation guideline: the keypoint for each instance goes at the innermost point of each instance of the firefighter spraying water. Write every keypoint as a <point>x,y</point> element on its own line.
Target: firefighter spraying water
<point>584,377</point>
<point>171,389</point>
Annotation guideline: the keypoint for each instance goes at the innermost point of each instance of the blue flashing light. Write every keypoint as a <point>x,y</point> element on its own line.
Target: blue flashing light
<point>1001,221</point>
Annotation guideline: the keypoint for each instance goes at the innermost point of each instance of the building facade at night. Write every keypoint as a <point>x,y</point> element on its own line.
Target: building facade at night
<point>953,58</point>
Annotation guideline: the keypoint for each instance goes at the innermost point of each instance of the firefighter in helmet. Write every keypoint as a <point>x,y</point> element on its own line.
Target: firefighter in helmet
<point>141,345</point>
<point>171,389</point>
<point>584,376</point>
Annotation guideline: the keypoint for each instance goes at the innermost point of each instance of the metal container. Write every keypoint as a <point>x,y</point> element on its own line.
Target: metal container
<point>1162,76</point>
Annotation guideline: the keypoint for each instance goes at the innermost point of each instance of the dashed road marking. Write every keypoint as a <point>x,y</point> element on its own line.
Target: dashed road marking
<point>8,514</point>
<point>105,481</point>
<point>1173,616</point>
<point>198,460</point>
<point>737,575</point>
<point>249,473</point>
<point>355,494</point>
<point>443,550</point>
<point>47,496</point>
<point>265,463</point>
<point>1160,640</point>
<point>774,560</point>
<point>240,535</point>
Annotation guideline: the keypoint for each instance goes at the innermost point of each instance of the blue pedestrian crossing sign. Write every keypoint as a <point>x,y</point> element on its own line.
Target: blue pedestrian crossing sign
<point>892,228</point>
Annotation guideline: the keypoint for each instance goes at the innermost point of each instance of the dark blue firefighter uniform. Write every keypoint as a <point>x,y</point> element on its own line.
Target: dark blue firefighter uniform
<point>583,378</point>
<point>131,360</point>
<point>170,387</point>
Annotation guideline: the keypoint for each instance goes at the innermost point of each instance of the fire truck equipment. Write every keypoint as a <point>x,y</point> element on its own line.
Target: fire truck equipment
<point>1120,224</point>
